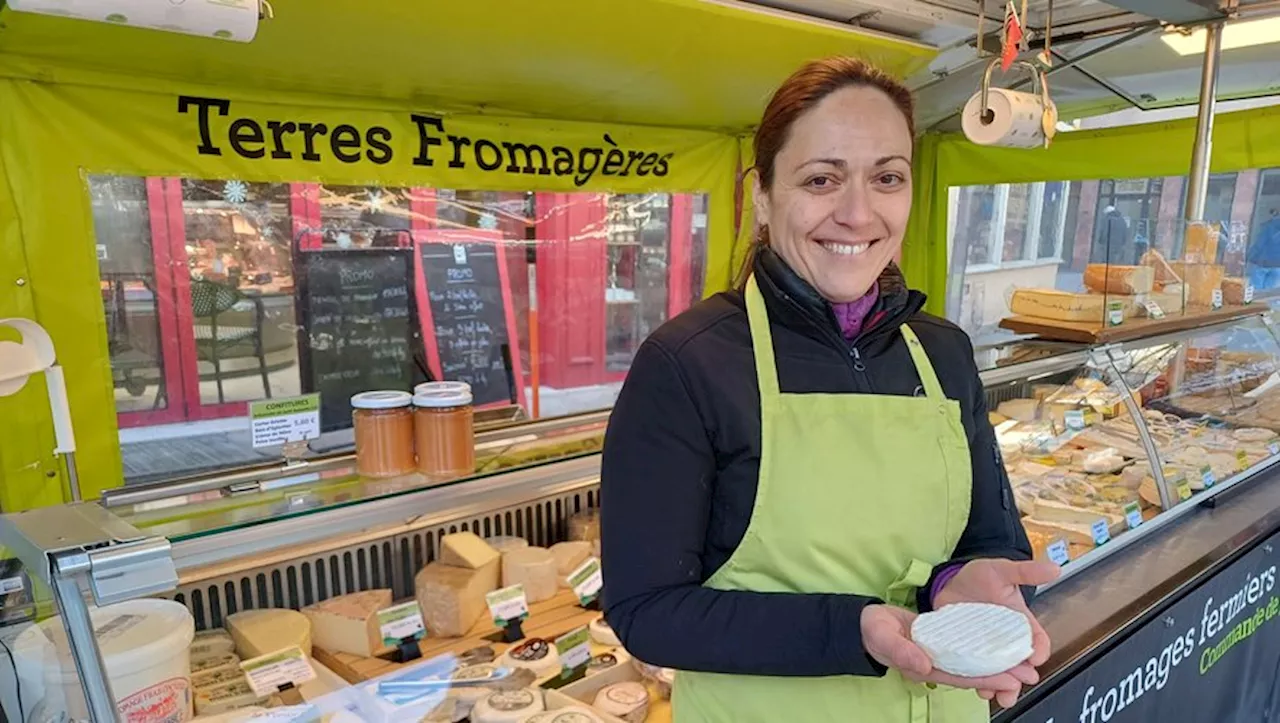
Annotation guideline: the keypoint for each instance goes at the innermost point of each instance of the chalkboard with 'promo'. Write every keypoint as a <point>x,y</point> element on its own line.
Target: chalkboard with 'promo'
<point>359,326</point>
<point>466,291</point>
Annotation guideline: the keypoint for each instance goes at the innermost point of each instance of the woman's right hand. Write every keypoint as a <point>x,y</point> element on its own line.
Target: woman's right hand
<point>886,635</point>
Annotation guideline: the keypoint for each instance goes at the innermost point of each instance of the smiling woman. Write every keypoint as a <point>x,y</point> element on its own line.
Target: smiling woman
<point>773,436</point>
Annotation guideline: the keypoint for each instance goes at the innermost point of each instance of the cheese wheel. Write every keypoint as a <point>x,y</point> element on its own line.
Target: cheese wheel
<point>602,633</point>
<point>569,557</point>
<point>628,701</point>
<point>1103,278</point>
<point>1058,305</point>
<point>508,706</point>
<point>260,632</point>
<point>504,544</point>
<point>536,654</point>
<point>608,661</point>
<point>535,569</point>
<point>974,640</point>
<point>573,714</point>
<point>349,623</point>
<point>452,598</point>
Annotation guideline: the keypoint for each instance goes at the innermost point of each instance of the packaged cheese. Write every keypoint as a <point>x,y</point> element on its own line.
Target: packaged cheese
<point>452,598</point>
<point>223,698</point>
<point>1104,278</point>
<point>259,632</point>
<point>349,623</point>
<point>1058,305</point>
<point>466,549</point>
<point>533,567</point>
<point>217,677</point>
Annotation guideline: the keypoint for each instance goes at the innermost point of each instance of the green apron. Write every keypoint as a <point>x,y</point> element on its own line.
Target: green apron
<point>858,494</point>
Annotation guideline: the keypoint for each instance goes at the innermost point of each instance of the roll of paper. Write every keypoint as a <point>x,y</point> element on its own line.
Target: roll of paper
<point>1015,120</point>
<point>226,19</point>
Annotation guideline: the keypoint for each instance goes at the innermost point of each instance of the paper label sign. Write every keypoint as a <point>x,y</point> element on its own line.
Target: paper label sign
<point>1058,552</point>
<point>1274,448</point>
<point>1153,309</point>
<point>1242,459</point>
<point>401,621</point>
<point>269,673</point>
<point>287,714</point>
<point>587,580</point>
<point>1101,532</point>
<point>1074,419</point>
<point>1115,313</point>
<point>12,585</point>
<point>1217,298</point>
<point>1184,490</point>
<point>1133,515</point>
<point>1207,476</point>
<point>574,648</point>
<point>1248,293</point>
<point>507,605</point>
<point>274,422</point>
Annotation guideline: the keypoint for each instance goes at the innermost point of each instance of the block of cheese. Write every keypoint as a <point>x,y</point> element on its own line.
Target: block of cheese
<point>503,543</point>
<point>210,663</point>
<point>1023,410</point>
<point>1165,275</point>
<point>508,706</point>
<point>1201,280</point>
<point>259,632</point>
<point>349,623</point>
<point>212,701</point>
<point>1103,278</point>
<point>628,701</point>
<point>216,678</point>
<point>535,568</point>
<point>212,643</point>
<point>452,598</point>
<point>1201,243</point>
<point>569,557</point>
<point>1058,305</point>
<point>466,549</point>
<point>1233,291</point>
<point>585,525</point>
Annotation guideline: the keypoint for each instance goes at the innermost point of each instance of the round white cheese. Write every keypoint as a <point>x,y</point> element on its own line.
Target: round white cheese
<point>534,568</point>
<point>508,706</point>
<point>974,640</point>
<point>536,654</point>
<point>628,701</point>
<point>602,633</point>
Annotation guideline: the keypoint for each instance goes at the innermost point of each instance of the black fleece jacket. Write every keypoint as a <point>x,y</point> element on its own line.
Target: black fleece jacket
<point>682,457</point>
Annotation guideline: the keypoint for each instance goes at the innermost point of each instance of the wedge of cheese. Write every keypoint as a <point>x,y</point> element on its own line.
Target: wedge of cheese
<point>1104,278</point>
<point>259,632</point>
<point>466,549</point>
<point>452,598</point>
<point>1058,305</point>
<point>349,623</point>
<point>1165,275</point>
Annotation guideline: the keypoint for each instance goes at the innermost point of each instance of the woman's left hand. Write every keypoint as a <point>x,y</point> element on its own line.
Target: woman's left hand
<point>1000,582</point>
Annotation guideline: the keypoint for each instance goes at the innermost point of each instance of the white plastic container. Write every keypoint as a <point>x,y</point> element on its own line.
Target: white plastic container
<point>144,646</point>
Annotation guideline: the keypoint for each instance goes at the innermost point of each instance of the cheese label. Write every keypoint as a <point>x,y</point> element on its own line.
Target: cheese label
<point>1058,552</point>
<point>1207,476</point>
<point>274,422</point>
<point>1133,515</point>
<point>401,621</point>
<point>286,713</point>
<point>1248,293</point>
<point>1242,459</point>
<point>574,648</point>
<point>268,674</point>
<point>1274,448</point>
<point>1184,490</point>
<point>587,580</point>
<point>1217,298</point>
<point>1153,309</point>
<point>12,585</point>
<point>1074,420</point>
<point>508,605</point>
<point>1115,313</point>
<point>1101,532</point>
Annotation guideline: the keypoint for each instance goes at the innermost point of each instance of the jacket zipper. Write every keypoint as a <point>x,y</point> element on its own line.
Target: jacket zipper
<point>859,368</point>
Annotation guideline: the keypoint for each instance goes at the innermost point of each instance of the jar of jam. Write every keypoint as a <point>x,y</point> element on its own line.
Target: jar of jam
<point>384,433</point>
<point>444,432</point>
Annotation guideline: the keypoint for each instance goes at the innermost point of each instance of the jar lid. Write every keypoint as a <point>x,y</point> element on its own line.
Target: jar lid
<point>442,395</point>
<point>381,400</point>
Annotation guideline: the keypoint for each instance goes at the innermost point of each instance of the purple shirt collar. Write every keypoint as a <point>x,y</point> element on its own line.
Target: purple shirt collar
<point>853,315</point>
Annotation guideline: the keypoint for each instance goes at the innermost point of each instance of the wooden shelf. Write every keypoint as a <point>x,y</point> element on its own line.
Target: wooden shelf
<point>1098,333</point>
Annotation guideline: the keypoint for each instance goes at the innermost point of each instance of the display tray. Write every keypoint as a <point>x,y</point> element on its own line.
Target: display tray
<point>1090,332</point>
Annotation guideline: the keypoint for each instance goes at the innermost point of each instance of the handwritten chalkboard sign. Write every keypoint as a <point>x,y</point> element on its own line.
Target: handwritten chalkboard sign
<point>358,326</point>
<point>469,307</point>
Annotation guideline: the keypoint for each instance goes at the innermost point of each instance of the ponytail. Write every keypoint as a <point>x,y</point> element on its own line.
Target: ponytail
<point>759,243</point>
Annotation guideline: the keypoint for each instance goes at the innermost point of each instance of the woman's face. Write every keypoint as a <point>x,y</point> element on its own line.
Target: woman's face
<point>841,192</point>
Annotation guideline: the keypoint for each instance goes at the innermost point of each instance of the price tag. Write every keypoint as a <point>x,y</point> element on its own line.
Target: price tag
<point>274,422</point>
<point>1242,459</point>
<point>587,580</point>
<point>1184,490</point>
<point>1153,309</point>
<point>1248,293</point>
<point>1074,419</point>
<point>1207,476</point>
<point>12,585</point>
<point>1133,515</point>
<point>1101,532</point>
<point>267,674</point>
<point>1274,448</point>
<point>574,648</point>
<point>508,604</point>
<point>1217,298</point>
<point>459,254</point>
<point>401,621</point>
<point>1115,313</point>
<point>1058,552</point>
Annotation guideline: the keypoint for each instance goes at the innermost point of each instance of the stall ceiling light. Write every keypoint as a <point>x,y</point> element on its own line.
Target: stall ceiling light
<point>1241,34</point>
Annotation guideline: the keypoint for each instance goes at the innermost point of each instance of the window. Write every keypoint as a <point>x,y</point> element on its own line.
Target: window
<point>975,223</point>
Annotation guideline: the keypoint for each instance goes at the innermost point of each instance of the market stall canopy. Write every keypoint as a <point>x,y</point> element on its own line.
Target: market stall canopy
<point>685,63</point>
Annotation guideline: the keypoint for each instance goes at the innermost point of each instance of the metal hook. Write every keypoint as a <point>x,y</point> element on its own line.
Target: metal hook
<point>265,11</point>
<point>986,116</point>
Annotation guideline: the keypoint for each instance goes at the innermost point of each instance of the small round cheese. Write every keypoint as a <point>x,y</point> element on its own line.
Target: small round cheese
<point>602,633</point>
<point>535,654</point>
<point>508,706</point>
<point>606,661</point>
<point>475,656</point>
<point>628,701</point>
<point>974,640</point>
<point>506,544</point>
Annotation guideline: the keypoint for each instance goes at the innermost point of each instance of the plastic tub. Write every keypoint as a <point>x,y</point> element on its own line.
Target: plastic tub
<point>144,646</point>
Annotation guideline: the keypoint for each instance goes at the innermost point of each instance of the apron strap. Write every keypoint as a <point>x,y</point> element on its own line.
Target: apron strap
<point>761,341</point>
<point>924,369</point>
